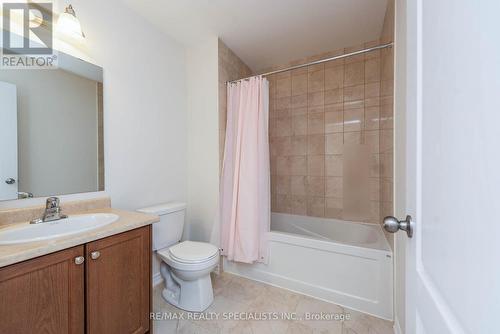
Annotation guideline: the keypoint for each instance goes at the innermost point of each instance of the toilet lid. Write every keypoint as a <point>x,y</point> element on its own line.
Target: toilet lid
<point>193,251</point>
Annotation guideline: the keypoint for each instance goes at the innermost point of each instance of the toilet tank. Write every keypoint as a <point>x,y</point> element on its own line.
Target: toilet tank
<point>168,231</point>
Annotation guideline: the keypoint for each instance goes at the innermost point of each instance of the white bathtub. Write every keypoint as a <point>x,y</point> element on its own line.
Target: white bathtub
<point>346,263</point>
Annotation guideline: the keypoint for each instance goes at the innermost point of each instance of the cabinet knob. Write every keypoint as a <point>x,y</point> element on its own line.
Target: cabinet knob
<point>79,259</point>
<point>95,255</point>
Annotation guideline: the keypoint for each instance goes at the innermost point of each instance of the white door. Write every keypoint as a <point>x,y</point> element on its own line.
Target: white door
<point>8,141</point>
<point>453,166</point>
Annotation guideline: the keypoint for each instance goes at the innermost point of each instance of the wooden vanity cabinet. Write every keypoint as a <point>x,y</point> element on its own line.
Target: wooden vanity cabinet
<point>118,282</point>
<point>102,287</point>
<point>44,295</point>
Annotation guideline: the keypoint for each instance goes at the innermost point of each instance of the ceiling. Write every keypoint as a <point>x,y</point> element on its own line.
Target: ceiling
<point>268,32</point>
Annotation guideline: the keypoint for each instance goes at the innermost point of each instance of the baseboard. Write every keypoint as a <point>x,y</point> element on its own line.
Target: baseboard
<point>397,327</point>
<point>157,279</point>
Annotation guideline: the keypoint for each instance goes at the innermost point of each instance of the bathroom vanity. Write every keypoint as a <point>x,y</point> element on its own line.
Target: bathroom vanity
<point>92,282</point>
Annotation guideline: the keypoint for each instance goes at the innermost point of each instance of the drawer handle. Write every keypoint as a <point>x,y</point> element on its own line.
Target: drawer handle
<point>95,255</point>
<point>79,259</point>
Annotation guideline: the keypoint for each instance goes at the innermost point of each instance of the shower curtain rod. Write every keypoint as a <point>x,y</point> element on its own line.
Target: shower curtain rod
<point>378,47</point>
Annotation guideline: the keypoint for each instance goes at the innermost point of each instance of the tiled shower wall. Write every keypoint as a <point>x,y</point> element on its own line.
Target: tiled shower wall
<point>230,68</point>
<point>315,113</point>
<point>387,115</point>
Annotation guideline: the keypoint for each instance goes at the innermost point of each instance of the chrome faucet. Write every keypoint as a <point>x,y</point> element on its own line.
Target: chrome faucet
<point>52,212</point>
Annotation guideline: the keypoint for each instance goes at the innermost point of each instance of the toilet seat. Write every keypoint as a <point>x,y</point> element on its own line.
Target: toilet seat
<point>192,252</point>
<point>185,257</point>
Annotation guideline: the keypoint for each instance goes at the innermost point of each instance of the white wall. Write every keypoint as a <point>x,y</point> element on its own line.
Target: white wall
<point>57,131</point>
<point>400,163</point>
<point>203,141</point>
<point>144,104</point>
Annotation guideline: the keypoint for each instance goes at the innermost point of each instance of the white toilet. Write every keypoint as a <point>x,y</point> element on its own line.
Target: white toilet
<point>186,265</point>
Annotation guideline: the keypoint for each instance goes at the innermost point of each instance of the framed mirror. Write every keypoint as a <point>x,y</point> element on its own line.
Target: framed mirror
<point>51,130</point>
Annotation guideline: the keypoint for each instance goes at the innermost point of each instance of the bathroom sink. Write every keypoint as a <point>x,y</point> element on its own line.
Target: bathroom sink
<point>26,232</point>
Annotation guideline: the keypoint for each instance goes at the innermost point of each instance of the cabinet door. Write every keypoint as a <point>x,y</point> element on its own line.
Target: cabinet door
<point>44,295</point>
<point>118,283</point>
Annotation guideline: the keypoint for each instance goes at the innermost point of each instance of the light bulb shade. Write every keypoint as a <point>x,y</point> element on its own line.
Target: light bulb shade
<point>68,25</point>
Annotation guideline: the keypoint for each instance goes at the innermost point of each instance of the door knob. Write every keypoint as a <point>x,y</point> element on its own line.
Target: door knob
<point>79,259</point>
<point>10,180</point>
<point>392,225</point>
<point>95,255</point>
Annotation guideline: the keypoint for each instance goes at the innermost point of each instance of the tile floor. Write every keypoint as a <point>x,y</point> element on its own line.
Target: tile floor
<point>235,294</point>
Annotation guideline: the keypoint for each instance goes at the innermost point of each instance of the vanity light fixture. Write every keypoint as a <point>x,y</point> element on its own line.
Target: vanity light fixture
<point>68,25</point>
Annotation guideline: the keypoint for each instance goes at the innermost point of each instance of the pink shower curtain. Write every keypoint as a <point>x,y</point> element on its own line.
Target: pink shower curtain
<point>245,182</point>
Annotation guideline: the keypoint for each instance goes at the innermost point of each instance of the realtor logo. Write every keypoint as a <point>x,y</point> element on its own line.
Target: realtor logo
<point>27,34</point>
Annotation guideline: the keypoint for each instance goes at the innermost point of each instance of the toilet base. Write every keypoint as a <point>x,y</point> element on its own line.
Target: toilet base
<point>190,294</point>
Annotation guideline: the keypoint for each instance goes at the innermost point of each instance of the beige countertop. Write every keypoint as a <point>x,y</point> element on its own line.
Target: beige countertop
<point>128,220</point>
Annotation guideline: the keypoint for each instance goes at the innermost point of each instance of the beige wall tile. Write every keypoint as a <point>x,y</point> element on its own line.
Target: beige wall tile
<point>283,165</point>
<point>299,111</point>
<point>372,101</point>
<point>386,190</point>
<point>280,146</point>
<point>352,138</point>
<point>372,118</point>
<point>354,74</point>
<point>372,90</point>
<point>283,203</point>
<point>354,93</point>
<point>299,185</point>
<point>316,111</point>
<point>316,165</point>
<point>283,185</point>
<point>334,107</point>
<point>333,208</point>
<point>283,87</point>
<point>334,122</point>
<point>354,119</point>
<point>371,138</point>
<point>375,165</point>
<point>334,143</point>
<point>372,70</point>
<point>283,126</point>
<point>334,96</point>
<point>386,116</point>
<point>283,103</point>
<point>316,99</point>
<point>334,77</point>
<point>386,88</point>
<point>354,105</point>
<point>316,144</point>
<point>316,206</point>
<point>298,145</point>
<point>374,189</point>
<point>316,81</point>
<point>299,101</point>
<point>333,165</point>
<point>316,123</point>
<point>299,125</point>
<point>357,58</point>
<point>299,84</point>
<point>298,165</point>
<point>334,187</point>
<point>299,205</point>
<point>386,165</point>
<point>315,186</point>
<point>386,141</point>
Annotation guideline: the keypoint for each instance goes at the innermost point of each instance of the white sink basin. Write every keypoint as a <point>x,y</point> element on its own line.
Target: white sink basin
<point>26,232</point>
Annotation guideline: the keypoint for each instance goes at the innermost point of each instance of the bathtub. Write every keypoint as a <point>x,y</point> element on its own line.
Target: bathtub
<point>345,263</point>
